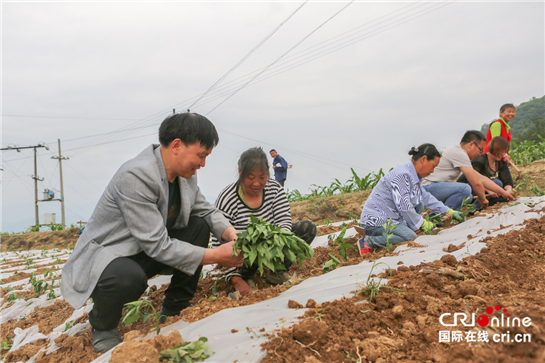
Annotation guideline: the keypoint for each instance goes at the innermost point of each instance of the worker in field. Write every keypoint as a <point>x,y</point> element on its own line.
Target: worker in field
<point>151,219</point>
<point>280,167</point>
<point>491,165</point>
<point>455,161</point>
<point>399,197</point>
<point>255,193</point>
<point>500,127</point>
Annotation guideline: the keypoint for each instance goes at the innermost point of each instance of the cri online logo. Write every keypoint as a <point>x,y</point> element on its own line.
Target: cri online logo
<point>483,320</point>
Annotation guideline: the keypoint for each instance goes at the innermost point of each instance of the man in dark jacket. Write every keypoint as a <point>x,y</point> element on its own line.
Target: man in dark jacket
<point>280,167</point>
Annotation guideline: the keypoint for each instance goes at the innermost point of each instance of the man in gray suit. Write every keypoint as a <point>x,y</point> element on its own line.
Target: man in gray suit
<point>151,219</point>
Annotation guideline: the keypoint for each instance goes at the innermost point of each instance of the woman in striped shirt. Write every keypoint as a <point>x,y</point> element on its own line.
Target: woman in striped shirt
<point>255,193</point>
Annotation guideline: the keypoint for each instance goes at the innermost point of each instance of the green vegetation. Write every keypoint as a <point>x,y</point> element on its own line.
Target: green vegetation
<point>187,352</point>
<point>354,184</point>
<point>6,344</point>
<point>138,308</point>
<point>388,229</point>
<point>269,246</point>
<point>55,227</point>
<point>527,151</point>
<point>338,243</point>
<point>372,287</point>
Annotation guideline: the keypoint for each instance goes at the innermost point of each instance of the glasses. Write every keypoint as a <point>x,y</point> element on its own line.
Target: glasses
<point>480,149</point>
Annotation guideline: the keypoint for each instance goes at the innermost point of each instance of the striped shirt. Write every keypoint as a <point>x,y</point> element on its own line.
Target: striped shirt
<point>396,196</point>
<point>274,209</point>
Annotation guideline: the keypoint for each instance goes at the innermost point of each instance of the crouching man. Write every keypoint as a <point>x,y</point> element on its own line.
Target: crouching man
<point>152,219</point>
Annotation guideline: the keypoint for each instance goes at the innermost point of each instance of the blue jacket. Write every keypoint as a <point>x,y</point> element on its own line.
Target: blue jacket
<point>280,172</point>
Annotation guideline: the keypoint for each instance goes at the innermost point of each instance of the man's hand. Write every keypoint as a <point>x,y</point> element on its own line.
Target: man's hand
<point>241,286</point>
<point>483,202</point>
<point>509,195</point>
<point>230,234</point>
<point>223,255</point>
<point>427,226</point>
<point>493,194</point>
<point>455,214</point>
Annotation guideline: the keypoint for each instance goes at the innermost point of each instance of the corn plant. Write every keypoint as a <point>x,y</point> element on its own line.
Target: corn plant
<point>269,246</point>
<point>55,227</point>
<point>138,308</point>
<point>51,294</point>
<point>187,352</point>
<point>39,286</point>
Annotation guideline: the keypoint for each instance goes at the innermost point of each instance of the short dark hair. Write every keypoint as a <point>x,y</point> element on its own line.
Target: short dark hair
<point>472,136</point>
<point>506,106</point>
<point>429,150</point>
<point>250,159</point>
<point>272,151</point>
<point>498,143</point>
<point>190,128</point>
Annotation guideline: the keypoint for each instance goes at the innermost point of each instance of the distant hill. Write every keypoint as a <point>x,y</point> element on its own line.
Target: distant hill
<point>529,122</point>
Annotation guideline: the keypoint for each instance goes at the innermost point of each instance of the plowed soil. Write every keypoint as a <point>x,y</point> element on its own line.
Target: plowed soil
<point>402,322</point>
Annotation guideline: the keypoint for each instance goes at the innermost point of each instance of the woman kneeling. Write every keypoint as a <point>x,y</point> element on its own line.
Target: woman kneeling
<point>255,193</point>
<point>399,196</point>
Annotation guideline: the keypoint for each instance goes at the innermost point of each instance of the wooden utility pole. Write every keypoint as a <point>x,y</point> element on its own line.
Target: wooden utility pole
<point>61,158</point>
<point>35,176</point>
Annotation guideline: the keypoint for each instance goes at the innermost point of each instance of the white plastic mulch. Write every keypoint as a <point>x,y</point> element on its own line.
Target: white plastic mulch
<point>244,345</point>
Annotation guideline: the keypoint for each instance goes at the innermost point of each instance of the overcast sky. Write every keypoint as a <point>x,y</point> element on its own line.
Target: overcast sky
<point>336,89</point>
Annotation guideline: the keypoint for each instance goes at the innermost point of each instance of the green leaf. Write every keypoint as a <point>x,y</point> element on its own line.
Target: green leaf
<point>253,256</point>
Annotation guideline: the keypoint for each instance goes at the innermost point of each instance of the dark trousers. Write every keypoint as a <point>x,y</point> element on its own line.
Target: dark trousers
<point>125,279</point>
<point>282,181</point>
<point>306,230</point>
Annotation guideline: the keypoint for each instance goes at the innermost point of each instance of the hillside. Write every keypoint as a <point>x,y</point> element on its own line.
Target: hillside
<point>529,122</point>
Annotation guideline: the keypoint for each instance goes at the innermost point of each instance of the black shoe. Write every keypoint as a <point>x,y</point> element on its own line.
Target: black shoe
<point>165,313</point>
<point>104,340</point>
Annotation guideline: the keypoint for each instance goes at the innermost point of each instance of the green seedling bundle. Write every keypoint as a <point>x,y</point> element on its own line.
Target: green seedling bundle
<point>270,246</point>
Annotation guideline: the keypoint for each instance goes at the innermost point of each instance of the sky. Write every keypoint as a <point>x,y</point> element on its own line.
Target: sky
<point>330,85</point>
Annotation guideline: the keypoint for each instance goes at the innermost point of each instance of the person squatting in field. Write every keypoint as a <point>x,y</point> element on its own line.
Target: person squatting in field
<point>399,196</point>
<point>255,193</point>
<point>151,219</point>
<point>455,161</point>
<point>492,166</point>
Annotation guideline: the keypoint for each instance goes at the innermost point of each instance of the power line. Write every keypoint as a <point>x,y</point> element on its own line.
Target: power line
<point>72,118</point>
<point>129,129</point>
<point>282,56</point>
<point>247,55</point>
<point>260,72</point>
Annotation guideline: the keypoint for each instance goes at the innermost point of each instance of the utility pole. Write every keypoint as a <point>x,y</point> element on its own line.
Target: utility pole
<point>35,176</point>
<point>61,158</point>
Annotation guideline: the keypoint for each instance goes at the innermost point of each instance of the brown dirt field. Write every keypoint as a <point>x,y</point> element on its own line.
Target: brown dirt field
<point>399,327</point>
<point>401,323</point>
<point>39,240</point>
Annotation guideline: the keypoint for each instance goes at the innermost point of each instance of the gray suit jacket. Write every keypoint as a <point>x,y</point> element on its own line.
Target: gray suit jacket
<point>130,217</point>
